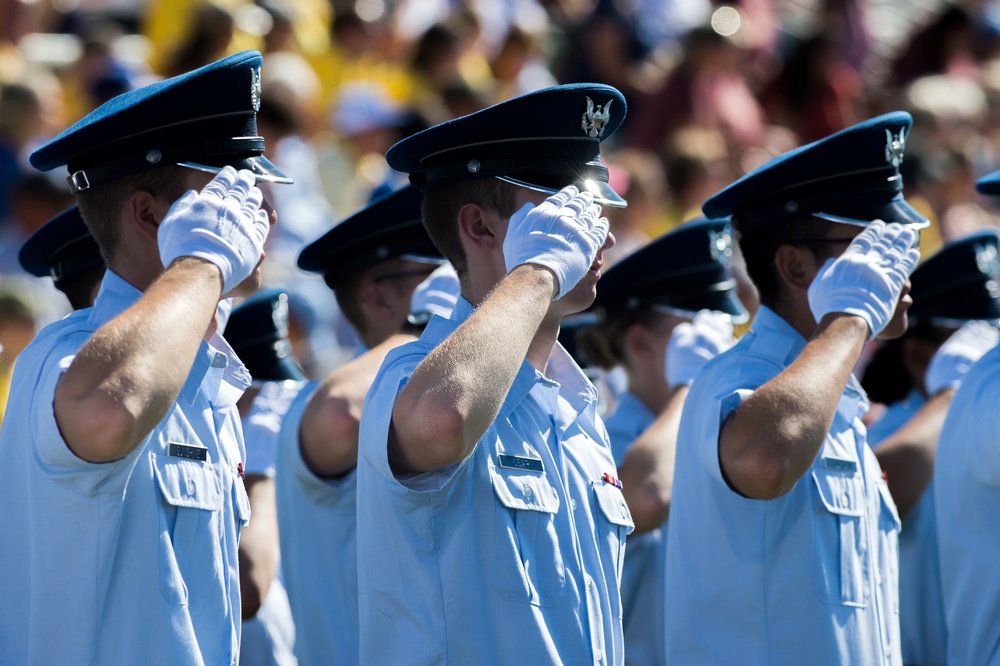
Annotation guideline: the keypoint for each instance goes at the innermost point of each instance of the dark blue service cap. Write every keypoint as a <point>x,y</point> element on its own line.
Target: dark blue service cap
<point>257,331</point>
<point>544,141</point>
<point>62,248</point>
<point>204,119</point>
<point>958,283</point>
<point>387,228</point>
<point>851,177</point>
<point>681,272</point>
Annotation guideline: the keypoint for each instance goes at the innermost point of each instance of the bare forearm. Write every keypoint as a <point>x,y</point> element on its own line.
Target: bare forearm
<point>773,437</point>
<point>647,472</point>
<point>331,422</point>
<point>124,379</point>
<point>258,553</point>
<point>456,392</point>
<point>907,456</point>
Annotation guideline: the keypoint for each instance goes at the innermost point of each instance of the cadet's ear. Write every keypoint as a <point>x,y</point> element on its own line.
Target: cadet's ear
<point>144,212</point>
<point>639,343</point>
<point>478,226</point>
<point>796,266</point>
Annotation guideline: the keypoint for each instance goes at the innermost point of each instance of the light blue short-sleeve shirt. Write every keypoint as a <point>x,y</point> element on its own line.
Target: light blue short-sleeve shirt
<point>967,502</point>
<point>319,549</point>
<point>921,610</point>
<point>511,556</point>
<point>807,578</point>
<point>128,561</point>
<point>269,636</point>
<point>643,573</point>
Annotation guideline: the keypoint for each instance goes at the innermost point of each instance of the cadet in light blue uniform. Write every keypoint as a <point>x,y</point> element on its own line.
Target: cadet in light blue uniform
<point>782,530</point>
<point>491,525</point>
<point>917,375</point>
<point>258,332</point>
<point>120,458</point>
<point>642,300</point>
<point>967,501</point>
<point>373,260</point>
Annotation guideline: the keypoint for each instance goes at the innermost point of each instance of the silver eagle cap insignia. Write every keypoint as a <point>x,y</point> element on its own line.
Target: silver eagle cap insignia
<point>720,247</point>
<point>255,89</point>
<point>595,118</point>
<point>895,144</point>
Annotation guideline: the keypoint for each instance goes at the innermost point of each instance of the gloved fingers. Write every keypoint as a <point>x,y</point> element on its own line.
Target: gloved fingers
<point>222,183</point>
<point>252,198</point>
<point>240,190</point>
<point>886,240</point>
<point>261,225</point>
<point>864,241</point>
<point>559,199</point>
<point>580,203</point>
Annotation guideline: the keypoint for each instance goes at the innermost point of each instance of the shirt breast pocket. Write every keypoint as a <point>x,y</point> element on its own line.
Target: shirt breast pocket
<point>840,545</point>
<point>190,512</point>
<point>615,522</point>
<point>529,563</point>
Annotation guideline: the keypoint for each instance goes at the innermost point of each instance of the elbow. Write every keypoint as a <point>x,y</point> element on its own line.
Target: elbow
<point>335,436</point>
<point>649,506</point>
<point>759,477</point>
<point>98,429</point>
<point>430,436</point>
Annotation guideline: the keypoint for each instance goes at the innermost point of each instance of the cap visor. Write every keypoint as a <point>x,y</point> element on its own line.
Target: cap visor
<point>898,211</point>
<point>603,194</point>
<point>263,169</point>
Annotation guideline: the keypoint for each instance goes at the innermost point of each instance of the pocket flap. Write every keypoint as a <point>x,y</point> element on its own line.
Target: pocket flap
<point>840,493</point>
<point>187,483</point>
<point>527,491</point>
<point>613,505</point>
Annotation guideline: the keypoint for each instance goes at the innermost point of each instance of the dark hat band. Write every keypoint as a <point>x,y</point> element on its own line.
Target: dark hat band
<point>541,171</point>
<point>209,150</point>
<point>71,263</point>
<point>815,197</point>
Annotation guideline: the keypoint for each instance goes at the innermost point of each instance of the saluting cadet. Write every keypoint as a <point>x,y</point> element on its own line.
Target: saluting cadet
<point>258,332</point>
<point>491,525</point>
<point>64,249</point>
<point>916,375</point>
<point>120,463</point>
<point>782,538</point>
<point>665,310</point>
<point>372,260</point>
<point>967,495</point>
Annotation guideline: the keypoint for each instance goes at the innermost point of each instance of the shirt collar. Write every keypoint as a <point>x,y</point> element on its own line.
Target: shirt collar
<point>114,297</point>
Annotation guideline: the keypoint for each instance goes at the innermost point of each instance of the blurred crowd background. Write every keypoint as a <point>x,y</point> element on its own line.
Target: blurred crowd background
<point>713,91</point>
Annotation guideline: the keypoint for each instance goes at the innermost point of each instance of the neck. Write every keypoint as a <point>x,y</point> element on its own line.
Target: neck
<point>650,388</point>
<point>797,313</point>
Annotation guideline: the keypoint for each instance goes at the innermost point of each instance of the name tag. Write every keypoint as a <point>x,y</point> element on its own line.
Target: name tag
<point>187,451</point>
<point>840,465</point>
<point>519,462</point>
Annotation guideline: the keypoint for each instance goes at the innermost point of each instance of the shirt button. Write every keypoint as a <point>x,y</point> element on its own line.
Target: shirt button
<point>527,490</point>
<point>845,501</point>
<point>572,504</point>
<point>600,656</point>
<point>219,361</point>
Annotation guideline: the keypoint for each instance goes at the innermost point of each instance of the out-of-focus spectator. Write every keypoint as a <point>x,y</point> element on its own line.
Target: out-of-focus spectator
<point>212,29</point>
<point>17,328</point>
<point>707,89</point>
<point>944,46</point>
<point>638,175</point>
<point>517,67</point>
<point>696,166</point>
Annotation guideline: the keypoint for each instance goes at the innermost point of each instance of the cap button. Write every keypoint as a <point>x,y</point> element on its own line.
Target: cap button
<point>473,166</point>
<point>154,156</point>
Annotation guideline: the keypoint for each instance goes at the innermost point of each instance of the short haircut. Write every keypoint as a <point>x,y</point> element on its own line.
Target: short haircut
<point>101,205</point>
<point>603,345</point>
<point>760,245</point>
<point>440,212</point>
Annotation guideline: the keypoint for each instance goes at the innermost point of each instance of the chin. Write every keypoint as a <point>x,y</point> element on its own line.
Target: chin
<point>247,287</point>
<point>895,328</point>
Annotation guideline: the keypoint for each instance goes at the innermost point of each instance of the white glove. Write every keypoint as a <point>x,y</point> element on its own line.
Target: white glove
<point>958,353</point>
<point>564,234</point>
<point>437,294</point>
<point>223,224</point>
<point>867,279</point>
<point>694,344</point>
